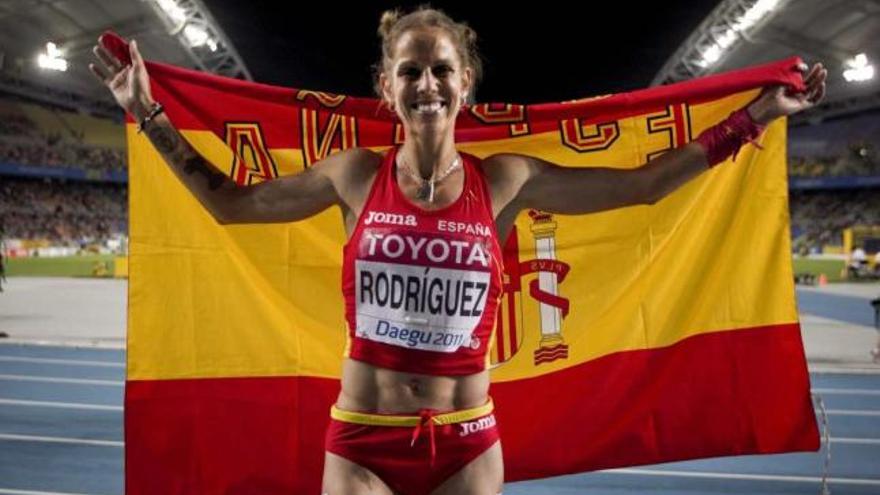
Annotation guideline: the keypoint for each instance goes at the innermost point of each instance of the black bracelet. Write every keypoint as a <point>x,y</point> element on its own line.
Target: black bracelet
<point>154,112</point>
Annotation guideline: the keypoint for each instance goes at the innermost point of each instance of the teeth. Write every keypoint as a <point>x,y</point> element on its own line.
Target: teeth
<point>429,107</point>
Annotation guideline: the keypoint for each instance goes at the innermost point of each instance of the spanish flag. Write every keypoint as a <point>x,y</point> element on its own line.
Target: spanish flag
<point>639,335</point>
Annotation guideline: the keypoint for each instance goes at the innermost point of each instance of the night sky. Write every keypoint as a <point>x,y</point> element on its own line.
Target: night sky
<point>532,52</point>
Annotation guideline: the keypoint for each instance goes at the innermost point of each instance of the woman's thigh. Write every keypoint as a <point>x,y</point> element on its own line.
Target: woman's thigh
<point>482,476</point>
<point>343,477</point>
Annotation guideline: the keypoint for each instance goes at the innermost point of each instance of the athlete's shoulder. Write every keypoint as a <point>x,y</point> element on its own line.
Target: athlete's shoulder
<point>500,160</point>
<point>352,172</point>
<point>351,164</point>
<point>358,157</point>
<point>504,167</point>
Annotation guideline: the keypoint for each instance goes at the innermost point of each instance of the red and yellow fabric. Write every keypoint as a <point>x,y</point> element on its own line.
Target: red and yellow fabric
<point>639,335</point>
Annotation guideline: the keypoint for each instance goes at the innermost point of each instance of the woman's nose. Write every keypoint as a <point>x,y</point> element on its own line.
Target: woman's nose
<point>427,81</point>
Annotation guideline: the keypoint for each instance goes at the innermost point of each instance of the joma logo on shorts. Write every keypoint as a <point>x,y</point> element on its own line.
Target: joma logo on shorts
<point>390,218</point>
<point>474,426</point>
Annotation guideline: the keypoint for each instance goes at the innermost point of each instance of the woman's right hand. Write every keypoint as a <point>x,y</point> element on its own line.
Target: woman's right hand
<point>129,84</point>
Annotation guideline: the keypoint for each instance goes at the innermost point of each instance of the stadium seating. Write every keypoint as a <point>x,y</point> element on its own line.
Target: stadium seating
<point>66,213</point>
<point>33,135</point>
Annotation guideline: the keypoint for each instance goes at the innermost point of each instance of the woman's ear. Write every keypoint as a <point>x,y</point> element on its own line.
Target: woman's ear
<point>467,81</point>
<point>387,94</point>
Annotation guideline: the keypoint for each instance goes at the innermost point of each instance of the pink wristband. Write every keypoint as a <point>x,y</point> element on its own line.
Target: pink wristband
<point>726,138</point>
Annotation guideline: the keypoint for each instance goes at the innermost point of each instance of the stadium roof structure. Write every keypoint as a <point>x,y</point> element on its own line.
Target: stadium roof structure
<point>179,32</point>
<point>739,33</point>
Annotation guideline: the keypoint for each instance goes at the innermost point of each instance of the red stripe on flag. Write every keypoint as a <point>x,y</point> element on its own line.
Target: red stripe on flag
<point>724,393</point>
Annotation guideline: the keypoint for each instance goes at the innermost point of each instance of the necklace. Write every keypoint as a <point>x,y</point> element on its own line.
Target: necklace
<point>426,186</point>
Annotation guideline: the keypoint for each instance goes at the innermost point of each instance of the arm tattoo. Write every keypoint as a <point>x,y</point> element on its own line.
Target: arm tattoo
<point>198,164</point>
<point>164,139</point>
<point>169,143</point>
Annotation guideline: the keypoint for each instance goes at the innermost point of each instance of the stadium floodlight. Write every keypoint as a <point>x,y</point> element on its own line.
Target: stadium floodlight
<point>52,59</point>
<point>858,69</point>
<point>190,23</point>
<point>728,37</point>
<point>172,10</point>
<point>756,13</point>
<point>193,32</point>
<point>195,35</point>
<point>719,34</point>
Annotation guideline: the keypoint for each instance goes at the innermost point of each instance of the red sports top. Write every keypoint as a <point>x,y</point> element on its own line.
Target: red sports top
<point>422,286</point>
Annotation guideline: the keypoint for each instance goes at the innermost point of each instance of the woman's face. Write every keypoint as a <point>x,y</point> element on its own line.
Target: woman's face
<point>426,81</point>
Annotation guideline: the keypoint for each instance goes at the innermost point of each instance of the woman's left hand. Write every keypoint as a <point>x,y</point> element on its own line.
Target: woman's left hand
<point>779,101</point>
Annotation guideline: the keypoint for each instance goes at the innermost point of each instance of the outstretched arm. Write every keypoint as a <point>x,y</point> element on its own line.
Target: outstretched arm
<point>286,199</point>
<point>542,185</point>
<point>521,181</point>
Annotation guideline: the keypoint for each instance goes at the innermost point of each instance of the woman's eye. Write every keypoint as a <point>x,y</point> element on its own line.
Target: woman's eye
<point>414,73</point>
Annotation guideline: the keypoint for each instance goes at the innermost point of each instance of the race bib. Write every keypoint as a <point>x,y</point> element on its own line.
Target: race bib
<point>422,291</point>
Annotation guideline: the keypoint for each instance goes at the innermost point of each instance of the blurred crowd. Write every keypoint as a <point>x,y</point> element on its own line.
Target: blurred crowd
<point>22,142</point>
<point>16,124</point>
<point>62,154</point>
<point>840,166</point>
<point>860,160</point>
<point>819,217</point>
<point>68,213</point>
<point>835,148</point>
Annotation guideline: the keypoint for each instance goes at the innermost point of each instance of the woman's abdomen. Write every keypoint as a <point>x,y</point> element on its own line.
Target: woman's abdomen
<point>369,388</point>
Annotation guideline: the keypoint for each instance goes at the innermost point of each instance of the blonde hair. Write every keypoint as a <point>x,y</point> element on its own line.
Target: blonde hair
<point>393,24</point>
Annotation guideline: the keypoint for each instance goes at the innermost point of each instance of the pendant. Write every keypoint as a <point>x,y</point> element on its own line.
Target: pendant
<point>425,191</point>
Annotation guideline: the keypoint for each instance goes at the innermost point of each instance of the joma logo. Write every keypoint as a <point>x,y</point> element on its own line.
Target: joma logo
<point>390,218</point>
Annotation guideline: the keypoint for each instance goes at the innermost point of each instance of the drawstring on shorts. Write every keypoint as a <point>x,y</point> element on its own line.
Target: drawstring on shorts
<point>426,418</point>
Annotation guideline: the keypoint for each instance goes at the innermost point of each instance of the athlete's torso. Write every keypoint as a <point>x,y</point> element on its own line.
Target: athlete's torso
<point>422,286</point>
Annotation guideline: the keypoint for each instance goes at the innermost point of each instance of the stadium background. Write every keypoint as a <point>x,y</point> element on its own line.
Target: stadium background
<point>63,179</point>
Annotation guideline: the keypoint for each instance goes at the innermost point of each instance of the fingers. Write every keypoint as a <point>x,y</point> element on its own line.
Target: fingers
<point>106,71</point>
<point>820,93</point>
<point>99,73</point>
<point>136,58</point>
<point>816,84</point>
<point>814,72</point>
<point>813,88</point>
<point>109,67</point>
<point>109,60</point>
